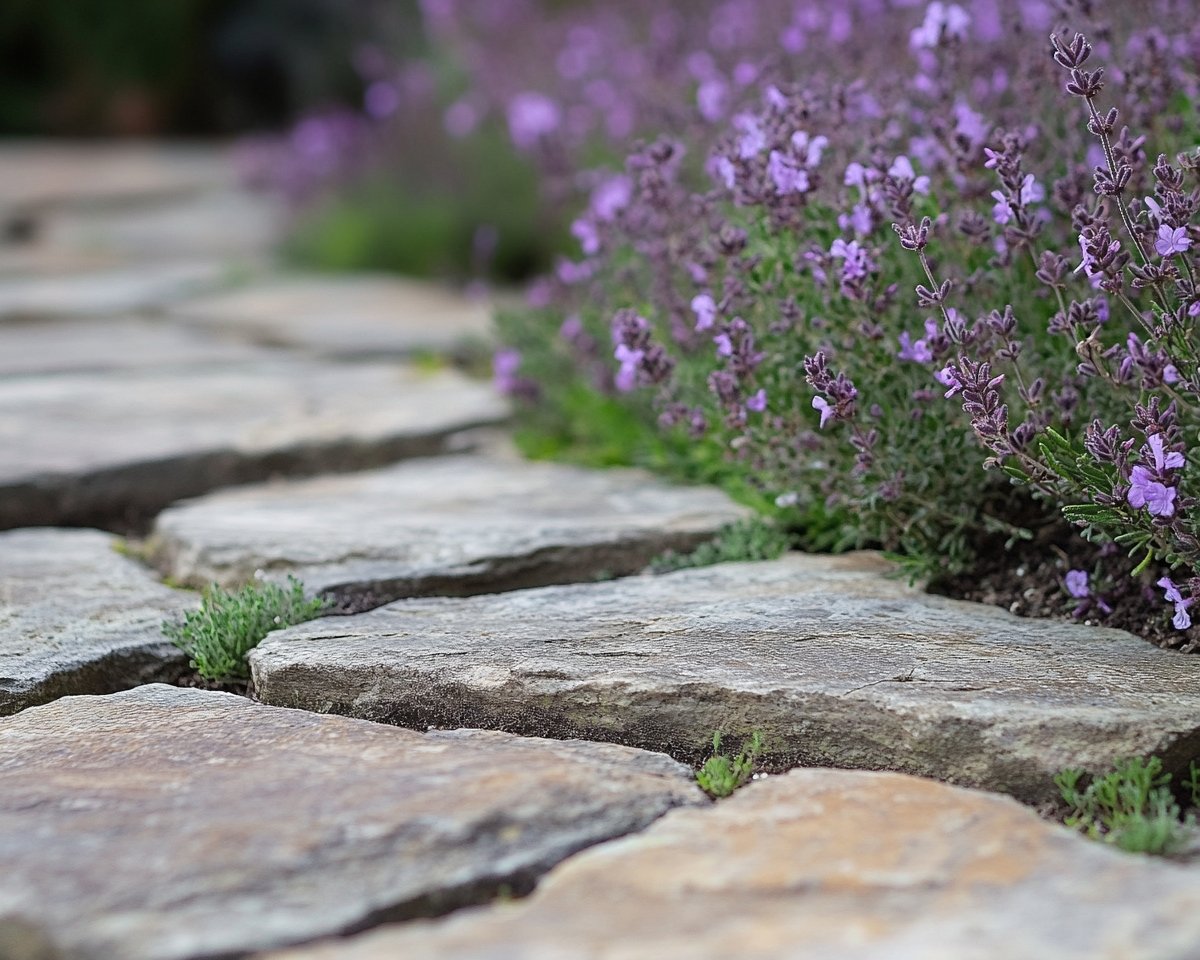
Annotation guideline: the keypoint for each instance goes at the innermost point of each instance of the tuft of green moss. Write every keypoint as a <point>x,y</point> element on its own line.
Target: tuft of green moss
<point>753,539</point>
<point>218,637</point>
<point>1131,807</point>
<point>721,774</point>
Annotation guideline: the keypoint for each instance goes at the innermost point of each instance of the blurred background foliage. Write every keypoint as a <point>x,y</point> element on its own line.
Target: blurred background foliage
<point>426,204</point>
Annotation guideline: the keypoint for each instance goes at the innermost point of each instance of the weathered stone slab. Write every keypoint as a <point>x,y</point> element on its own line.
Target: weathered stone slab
<point>113,343</point>
<point>56,173</point>
<point>221,224</point>
<point>77,617</point>
<point>824,864</point>
<point>442,526</point>
<point>113,449</point>
<point>834,662</point>
<point>163,824</point>
<point>345,316</point>
<point>117,290</point>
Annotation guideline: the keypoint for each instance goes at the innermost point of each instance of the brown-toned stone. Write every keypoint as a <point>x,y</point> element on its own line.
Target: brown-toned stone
<point>78,617</point>
<point>821,863</point>
<point>164,824</point>
<point>837,662</point>
<point>437,526</point>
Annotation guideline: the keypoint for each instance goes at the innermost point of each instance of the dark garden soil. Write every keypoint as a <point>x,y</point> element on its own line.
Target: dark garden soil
<point>1029,581</point>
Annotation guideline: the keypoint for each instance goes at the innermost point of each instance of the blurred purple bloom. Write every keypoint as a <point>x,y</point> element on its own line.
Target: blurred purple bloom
<point>941,19</point>
<point>916,350</point>
<point>724,345</point>
<point>758,402</point>
<point>629,359</point>
<point>705,309</point>
<point>532,116</point>
<point>787,177</point>
<point>611,197</point>
<point>824,406</point>
<point>711,97</point>
<point>505,364</point>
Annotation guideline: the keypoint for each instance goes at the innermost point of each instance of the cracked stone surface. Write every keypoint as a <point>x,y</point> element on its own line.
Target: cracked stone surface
<point>169,824</point>
<point>836,663</point>
<point>822,863</point>
<point>448,526</point>
<point>111,449</point>
<point>113,290</point>
<point>76,345</point>
<point>362,315</point>
<point>77,617</point>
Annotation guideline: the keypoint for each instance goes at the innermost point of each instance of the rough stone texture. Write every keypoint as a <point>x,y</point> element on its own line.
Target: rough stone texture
<point>825,864</point>
<point>162,824</point>
<point>119,290</point>
<point>345,316</point>
<point>37,174</point>
<point>834,662</point>
<point>113,449</point>
<point>76,345</point>
<point>443,526</point>
<point>77,617</point>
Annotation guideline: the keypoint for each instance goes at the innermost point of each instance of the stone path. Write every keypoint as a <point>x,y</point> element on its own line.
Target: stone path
<point>164,823</point>
<point>836,663</point>
<point>152,350</point>
<point>829,864</point>
<point>78,617</point>
<point>446,526</point>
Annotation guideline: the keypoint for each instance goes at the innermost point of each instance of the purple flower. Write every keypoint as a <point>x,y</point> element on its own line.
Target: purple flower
<point>941,19</point>
<point>724,345</point>
<point>787,177</point>
<point>711,97</point>
<point>758,402</point>
<point>626,378</point>
<point>505,364</point>
<point>902,169</point>
<point>1077,584</point>
<point>916,350</point>
<point>826,409</point>
<point>752,140</point>
<point>1163,461</point>
<point>1182,619</point>
<point>705,309</point>
<point>1171,241</point>
<point>946,378</point>
<point>724,170</point>
<point>611,197</point>
<point>585,232</point>
<point>531,116</point>
<point>1145,491</point>
<point>812,148</point>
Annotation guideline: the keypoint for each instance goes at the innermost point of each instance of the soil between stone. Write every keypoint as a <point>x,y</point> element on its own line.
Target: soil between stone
<point>1028,580</point>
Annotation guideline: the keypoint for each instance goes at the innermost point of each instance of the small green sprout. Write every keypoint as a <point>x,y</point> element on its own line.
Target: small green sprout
<point>753,539</point>
<point>218,636</point>
<point>1131,807</point>
<point>721,775</point>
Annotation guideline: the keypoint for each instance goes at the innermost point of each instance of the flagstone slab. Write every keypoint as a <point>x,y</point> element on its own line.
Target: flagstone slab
<point>836,663</point>
<point>45,346</point>
<point>56,173</point>
<point>220,224</point>
<point>441,526</point>
<point>113,290</point>
<point>169,824</point>
<point>828,864</point>
<point>78,617</point>
<point>112,449</point>
<point>344,316</point>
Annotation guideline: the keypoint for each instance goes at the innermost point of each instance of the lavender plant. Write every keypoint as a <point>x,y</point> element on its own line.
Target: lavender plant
<point>908,299</point>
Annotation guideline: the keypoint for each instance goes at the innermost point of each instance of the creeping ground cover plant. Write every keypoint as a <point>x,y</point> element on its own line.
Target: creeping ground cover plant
<point>920,277</point>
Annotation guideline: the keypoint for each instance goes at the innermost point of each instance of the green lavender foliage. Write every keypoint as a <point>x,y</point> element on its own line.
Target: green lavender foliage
<point>721,774</point>
<point>753,539</point>
<point>218,637</point>
<point>1131,807</point>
